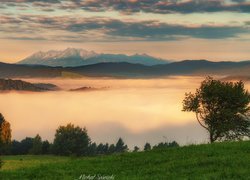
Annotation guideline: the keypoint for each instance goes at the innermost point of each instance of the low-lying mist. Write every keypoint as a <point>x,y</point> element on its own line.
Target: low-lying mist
<point>138,110</point>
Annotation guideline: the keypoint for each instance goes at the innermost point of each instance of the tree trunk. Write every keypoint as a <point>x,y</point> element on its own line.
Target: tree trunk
<point>211,137</point>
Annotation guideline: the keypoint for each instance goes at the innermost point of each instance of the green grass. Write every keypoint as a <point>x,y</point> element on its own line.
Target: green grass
<point>217,161</point>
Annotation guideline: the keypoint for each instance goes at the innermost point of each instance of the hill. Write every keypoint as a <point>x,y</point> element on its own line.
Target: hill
<point>19,85</point>
<point>28,71</point>
<point>229,160</point>
<point>187,67</point>
<point>72,57</point>
<point>128,70</point>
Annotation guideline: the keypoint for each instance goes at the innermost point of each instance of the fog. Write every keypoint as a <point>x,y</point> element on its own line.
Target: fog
<point>139,111</point>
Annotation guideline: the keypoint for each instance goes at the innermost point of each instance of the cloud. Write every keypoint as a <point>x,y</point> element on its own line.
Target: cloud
<point>134,6</point>
<point>43,5</point>
<point>24,38</point>
<point>239,1</point>
<point>162,6</point>
<point>30,1</point>
<point>67,28</point>
<point>154,30</point>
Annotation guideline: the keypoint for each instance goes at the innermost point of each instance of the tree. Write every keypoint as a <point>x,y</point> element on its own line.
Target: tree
<point>173,144</point>
<point>222,108</point>
<point>71,140</point>
<point>5,135</point>
<point>120,146</point>
<point>1,163</point>
<point>100,149</point>
<point>92,149</point>
<point>46,147</point>
<point>15,147</point>
<point>111,149</point>
<point>136,149</point>
<point>106,148</point>
<point>30,145</point>
<point>147,147</point>
<point>25,145</point>
<point>37,145</point>
<point>166,145</point>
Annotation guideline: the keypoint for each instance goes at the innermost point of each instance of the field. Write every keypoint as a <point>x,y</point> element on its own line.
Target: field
<point>228,160</point>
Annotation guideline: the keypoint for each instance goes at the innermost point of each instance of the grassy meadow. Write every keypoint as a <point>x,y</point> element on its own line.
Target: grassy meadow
<point>228,160</point>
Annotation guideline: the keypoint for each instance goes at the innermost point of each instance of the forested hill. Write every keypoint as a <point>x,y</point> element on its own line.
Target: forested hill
<point>123,69</point>
<point>18,85</point>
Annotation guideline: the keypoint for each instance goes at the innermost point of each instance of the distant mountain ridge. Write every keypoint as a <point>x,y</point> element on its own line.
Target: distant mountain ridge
<point>128,70</point>
<point>72,57</point>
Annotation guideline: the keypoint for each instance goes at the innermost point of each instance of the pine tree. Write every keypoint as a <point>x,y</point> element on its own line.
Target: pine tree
<point>147,147</point>
<point>120,146</point>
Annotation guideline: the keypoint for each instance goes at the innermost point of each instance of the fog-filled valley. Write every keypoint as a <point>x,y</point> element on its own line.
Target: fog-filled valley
<point>138,110</point>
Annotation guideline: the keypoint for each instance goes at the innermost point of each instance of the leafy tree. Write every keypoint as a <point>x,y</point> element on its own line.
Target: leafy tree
<point>37,145</point>
<point>173,144</point>
<point>120,146</point>
<point>222,108</point>
<point>147,147</point>
<point>46,146</point>
<point>25,145</point>
<point>136,149</point>
<point>15,147</point>
<point>100,149</point>
<point>30,145</point>
<point>5,135</point>
<point>71,140</point>
<point>92,149</point>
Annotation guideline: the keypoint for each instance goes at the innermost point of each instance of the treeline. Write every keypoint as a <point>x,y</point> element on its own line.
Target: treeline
<point>70,140</point>
<point>161,145</point>
<point>35,146</point>
<point>30,145</point>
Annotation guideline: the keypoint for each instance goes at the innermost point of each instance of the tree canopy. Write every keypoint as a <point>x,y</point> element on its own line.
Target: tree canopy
<point>71,140</point>
<point>5,135</point>
<point>147,147</point>
<point>222,108</point>
<point>37,145</point>
<point>1,163</point>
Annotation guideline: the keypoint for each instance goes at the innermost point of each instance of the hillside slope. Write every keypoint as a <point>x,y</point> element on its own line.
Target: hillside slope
<point>217,161</point>
<point>19,85</point>
<point>124,69</point>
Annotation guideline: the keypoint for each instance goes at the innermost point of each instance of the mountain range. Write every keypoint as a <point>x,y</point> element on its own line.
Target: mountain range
<point>129,70</point>
<point>72,57</point>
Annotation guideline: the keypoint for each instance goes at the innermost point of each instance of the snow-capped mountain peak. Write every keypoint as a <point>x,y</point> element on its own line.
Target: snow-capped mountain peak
<point>71,57</point>
<point>67,53</point>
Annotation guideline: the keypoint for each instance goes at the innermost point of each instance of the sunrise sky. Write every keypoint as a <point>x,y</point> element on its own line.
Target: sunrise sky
<point>170,29</point>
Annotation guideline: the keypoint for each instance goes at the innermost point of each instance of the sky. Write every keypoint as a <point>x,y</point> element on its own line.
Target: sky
<point>169,29</point>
